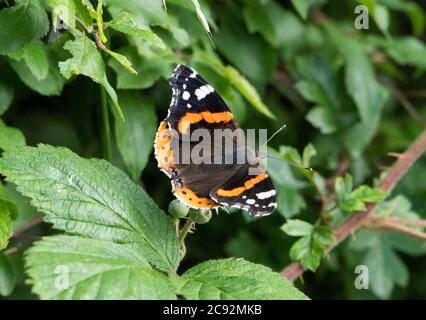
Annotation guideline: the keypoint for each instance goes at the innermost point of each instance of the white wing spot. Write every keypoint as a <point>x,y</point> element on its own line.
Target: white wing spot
<point>250,201</point>
<point>203,91</point>
<point>272,204</point>
<point>184,85</point>
<point>185,95</point>
<point>266,194</point>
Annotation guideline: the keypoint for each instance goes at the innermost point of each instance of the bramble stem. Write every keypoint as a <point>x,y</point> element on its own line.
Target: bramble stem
<point>352,224</point>
<point>182,235</point>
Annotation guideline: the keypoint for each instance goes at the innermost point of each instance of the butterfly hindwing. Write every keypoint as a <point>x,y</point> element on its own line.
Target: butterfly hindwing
<point>252,192</point>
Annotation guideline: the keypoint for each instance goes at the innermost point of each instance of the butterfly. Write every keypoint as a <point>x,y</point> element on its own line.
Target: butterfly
<point>219,180</point>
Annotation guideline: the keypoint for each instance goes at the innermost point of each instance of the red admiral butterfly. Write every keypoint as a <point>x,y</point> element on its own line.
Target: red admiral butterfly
<point>195,105</point>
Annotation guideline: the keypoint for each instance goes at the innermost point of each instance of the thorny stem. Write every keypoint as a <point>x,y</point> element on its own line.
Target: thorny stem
<point>182,235</point>
<point>394,174</point>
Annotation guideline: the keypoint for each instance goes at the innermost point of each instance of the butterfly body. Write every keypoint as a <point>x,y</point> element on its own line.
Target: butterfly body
<point>206,173</point>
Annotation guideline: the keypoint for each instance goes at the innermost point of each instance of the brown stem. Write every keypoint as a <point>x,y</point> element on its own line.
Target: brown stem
<point>400,167</point>
<point>33,222</point>
<point>410,222</point>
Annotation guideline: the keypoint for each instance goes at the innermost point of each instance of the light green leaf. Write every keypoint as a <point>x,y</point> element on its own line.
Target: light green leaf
<point>6,227</point>
<point>10,137</point>
<point>310,249</point>
<point>235,279</point>
<point>201,16</point>
<point>92,198</point>
<point>123,61</point>
<point>297,228</point>
<point>135,136</point>
<point>90,8</point>
<point>125,23</point>
<point>6,95</point>
<point>7,200</point>
<point>7,276</point>
<point>324,119</point>
<point>87,60</point>
<point>35,56</point>
<point>65,267</point>
<point>303,7</point>
<point>20,24</point>
<point>408,51</point>
<point>308,152</point>
<point>247,90</point>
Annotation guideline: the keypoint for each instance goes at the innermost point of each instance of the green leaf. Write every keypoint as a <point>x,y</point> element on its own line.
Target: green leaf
<point>310,249</point>
<point>201,16</point>
<point>51,85</point>
<point>90,8</point>
<point>123,61</point>
<point>235,279</point>
<point>65,267</point>
<point>125,23</point>
<point>290,201</point>
<point>135,136</point>
<point>21,24</point>
<point>324,119</point>
<point>269,19</point>
<point>10,137</point>
<point>6,227</point>
<point>297,228</point>
<point>7,200</point>
<point>368,194</point>
<point>258,60</point>
<point>35,56</point>
<point>6,95</point>
<point>92,198</point>
<point>247,90</point>
<point>147,12</point>
<point>87,60</point>
<point>385,267</point>
<point>7,276</point>
<point>304,6</point>
<point>149,69</point>
<point>408,51</point>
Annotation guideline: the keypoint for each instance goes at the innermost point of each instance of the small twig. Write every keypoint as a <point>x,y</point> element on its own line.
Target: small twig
<point>341,170</point>
<point>410,222</point>
<point>356,220</point>
<point>33,222</point>
<point>10,251</point>
<point>392,226</point>
<point>406,104</point>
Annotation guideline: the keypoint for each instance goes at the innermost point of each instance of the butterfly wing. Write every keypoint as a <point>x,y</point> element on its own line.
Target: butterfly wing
<point>254,193</point>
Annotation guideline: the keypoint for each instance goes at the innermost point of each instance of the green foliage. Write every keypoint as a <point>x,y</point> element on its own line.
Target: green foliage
<point>310,248</point>
<point>348,97</point>
<point>235,279</point>
<point>355,200</point>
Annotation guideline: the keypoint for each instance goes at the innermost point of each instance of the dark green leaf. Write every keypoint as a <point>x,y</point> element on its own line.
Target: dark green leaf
<point>20,24</point>
<point>135,136</point>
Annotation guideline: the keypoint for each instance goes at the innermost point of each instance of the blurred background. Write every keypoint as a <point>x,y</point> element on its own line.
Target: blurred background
<point>350,85</point>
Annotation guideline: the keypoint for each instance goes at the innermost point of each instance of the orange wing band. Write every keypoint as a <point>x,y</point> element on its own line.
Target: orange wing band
<point>247,185</point>
<point>210,117</point>
<point>190,199</point>
<point>162,147</point>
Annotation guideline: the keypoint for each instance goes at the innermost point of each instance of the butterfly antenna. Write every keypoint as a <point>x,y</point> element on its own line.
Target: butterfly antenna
<point>275,133</point>
<point>267,155</point>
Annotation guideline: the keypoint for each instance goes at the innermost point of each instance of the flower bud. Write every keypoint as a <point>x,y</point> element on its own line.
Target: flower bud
<point>200,216</point>
<point>177,209</point>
